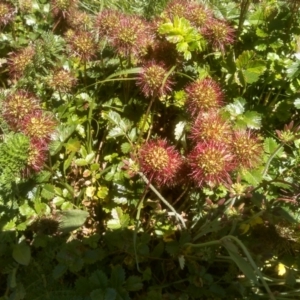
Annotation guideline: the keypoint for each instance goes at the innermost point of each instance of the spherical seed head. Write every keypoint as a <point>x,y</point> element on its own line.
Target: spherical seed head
<point>20,61</point>
<point>203,95</point>
<point>210,163</point>
<point>247,149</point>
<point>37,155</point>
<point>62,81</point>
<point>61,8</point>
<point>83,45</point>
<point>128,35</point>
<point>107,22</point>
<point>7,13</point>
<point>159,162</point>
<point>18,105</point>
<point>176,8</point>
<point>211,126</point>
<point>38,124</point>
<point>199,15</point>
<point>25,5</point>
<point>151,80</point>
<point>78,19</point>
<point>219,33</point>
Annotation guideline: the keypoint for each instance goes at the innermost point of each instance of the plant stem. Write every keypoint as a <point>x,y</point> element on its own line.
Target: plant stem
<point>157,193</point>
<point>265,171</point>
<point>145,118</point>
<point>246,252</point>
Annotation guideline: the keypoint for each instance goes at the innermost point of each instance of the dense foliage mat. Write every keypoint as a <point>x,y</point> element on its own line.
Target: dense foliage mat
<point>149,149</point>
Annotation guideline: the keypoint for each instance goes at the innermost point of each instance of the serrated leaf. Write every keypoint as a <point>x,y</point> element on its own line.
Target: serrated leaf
<point>181,261</point>
<point>113,224</point>
<point>270,145</point>
<point>22,254</point>
<point>114,117</point>
<point>41,208</point>
<point>55,147</point>
<point>68,161</point>
<point>73,145</point>
<point>65,131</point>
<point>125,148</point>
<point>48,191</point>
<point>237,107</point>
<point>293,70</point>
<point>297,103</point>
<point>179,130</point>
<point>98,279</point>
<point>58,201</point>
<point>119,219</point>
<point>253,177</point>
<point>117,277</point>
<point>100,294</point>
<point>72,219</point>
<point>102,192</point>
<point>81,162</point>
<point>132,134</point>
<point>59,271</point>
<point>261,33</point>
<point>125,125</point>
<point>251,69</point>
<point>133,284</point>
<point>250,119</point>
<point>115,132</point>
<point>26,210</point>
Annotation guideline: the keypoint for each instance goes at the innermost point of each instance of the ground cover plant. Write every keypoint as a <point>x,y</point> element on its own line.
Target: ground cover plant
<point>149,149</point>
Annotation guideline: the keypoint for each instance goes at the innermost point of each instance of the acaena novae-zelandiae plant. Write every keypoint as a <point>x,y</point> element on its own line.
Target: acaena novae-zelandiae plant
<point>159,126</point>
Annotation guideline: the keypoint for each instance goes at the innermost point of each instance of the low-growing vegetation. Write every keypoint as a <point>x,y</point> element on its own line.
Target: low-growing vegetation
<point>149,149</point>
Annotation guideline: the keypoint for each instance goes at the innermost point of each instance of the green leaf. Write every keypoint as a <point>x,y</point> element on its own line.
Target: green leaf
<point>260,47</point>
<point>297,103</point>
<point>81,162</point>
<point>133,284</point>
<point>243,265</point>
<point>270,145</point>
<point>21,253</point>
<point>89,158</point>
<point>181,261</point>
<point>98,279</point>
<point>251,69</point>
<point>115,132</point>
<point>114,117</point>
<point>254,71</point>
<point>179,130</point>
<point>132,134</point>
<point>237,107</point>
<point>293,70</point>
<point>250,119</point>
<point>107,294</point>
<point>119,219</point>
<point>261,33</point>
<point>102,192</point>
<point>72,219</point>
<point>59,271</point>
<point>26,210</point>
<point>253,177</point>
<point>48,192</point>
<point>73,145</point>
<point>126,148</point>
<point>117,278</point>
<point>41,208</point>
